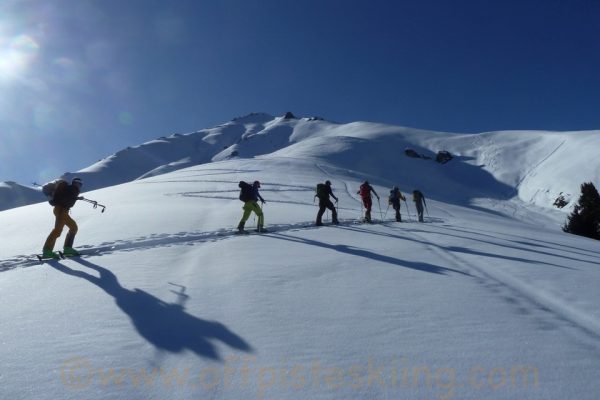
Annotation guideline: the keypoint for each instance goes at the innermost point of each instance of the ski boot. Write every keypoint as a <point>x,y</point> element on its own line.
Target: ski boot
<point>70,252</point>
<point>49,254</point>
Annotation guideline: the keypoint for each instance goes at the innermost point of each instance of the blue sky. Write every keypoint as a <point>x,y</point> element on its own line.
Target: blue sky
<point>81,79</point>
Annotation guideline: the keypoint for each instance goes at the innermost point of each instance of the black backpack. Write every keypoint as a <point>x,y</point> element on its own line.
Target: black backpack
<point>49,189</point>
<point>322,191</point>
<point>246,191</point>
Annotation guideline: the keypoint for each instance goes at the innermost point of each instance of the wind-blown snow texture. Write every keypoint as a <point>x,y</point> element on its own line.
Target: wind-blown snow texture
<point>486,299</point>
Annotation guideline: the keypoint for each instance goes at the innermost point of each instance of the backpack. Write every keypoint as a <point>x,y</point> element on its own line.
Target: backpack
<point>393,196</point>
<point>322,191</point>
<point>365,191</point>
<point>49,189</point>
<point>246,191</point>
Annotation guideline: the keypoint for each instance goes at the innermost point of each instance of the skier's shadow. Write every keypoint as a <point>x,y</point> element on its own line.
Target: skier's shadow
<point>167,326</point>
<point>354,251</point>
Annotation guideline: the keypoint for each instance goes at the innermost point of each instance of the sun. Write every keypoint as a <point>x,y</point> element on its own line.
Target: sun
<point>16,54</point>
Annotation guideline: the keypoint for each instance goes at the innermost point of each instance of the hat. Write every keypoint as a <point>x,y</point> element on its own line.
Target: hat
<point>328,183</point>
<point>256,183</point>
<point>77,181</point>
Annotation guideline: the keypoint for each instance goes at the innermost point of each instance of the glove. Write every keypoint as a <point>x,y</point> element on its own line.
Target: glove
<point>80,198</point>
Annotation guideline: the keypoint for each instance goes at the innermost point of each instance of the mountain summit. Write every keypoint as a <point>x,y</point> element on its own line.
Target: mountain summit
<point>533,166</point>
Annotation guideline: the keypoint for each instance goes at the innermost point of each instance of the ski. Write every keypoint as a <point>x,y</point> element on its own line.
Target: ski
<point>63,255</point>
<point>252,232</point>
<point>43,259</point>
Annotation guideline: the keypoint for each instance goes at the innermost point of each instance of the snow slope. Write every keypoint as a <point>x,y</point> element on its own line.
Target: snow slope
<point>526,166</point>
<point>14,195</point>
<point>472,304</point>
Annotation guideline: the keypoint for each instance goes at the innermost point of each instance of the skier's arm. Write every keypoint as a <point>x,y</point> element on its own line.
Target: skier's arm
<point>260,197</point>
<point>374,192</point>
<point>332,195</point>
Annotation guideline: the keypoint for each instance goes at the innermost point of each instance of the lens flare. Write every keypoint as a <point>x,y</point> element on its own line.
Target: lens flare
<point>16,54</point>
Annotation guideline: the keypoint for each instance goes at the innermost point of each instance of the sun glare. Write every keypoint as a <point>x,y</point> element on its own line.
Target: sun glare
<point>16,54</point>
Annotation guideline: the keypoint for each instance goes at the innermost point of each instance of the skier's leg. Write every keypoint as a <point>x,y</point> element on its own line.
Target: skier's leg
<point>368,205</point>
<point>247,210</point>
<point>334,218</point>
<point>59,224</point>
<point>259,214</point>
<point>320,213</point>
<point>72,231</point>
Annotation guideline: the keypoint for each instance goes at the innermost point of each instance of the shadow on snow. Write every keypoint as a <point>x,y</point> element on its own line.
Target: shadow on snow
<point>167,326</point>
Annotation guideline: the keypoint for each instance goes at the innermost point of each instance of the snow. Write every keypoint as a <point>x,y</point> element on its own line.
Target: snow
<point>14,195</point>
<point>486,299</point>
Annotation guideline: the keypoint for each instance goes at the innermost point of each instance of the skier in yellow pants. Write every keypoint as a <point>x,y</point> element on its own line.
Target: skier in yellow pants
<point>250,196</point>
<point>64,198</point>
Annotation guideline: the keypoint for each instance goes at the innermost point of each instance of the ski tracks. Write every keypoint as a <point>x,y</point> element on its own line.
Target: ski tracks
<point>161,240</point>
<point>519,290</point>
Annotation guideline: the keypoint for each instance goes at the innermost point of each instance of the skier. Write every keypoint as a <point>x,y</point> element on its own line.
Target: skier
<point>419,200</point>
<point>365,194</point>
<point>394,201</point>
<point>250,196</point>
<point>64,198</point>
<point>323,193</point>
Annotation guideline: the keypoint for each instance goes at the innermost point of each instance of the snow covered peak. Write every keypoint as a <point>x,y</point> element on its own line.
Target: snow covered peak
<point>253,118</point>
<point>533,166</point>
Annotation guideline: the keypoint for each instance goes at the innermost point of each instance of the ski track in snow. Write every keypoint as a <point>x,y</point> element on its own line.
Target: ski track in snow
<point>537,165</point>
<point>168,240</point>
<point>518,290</point>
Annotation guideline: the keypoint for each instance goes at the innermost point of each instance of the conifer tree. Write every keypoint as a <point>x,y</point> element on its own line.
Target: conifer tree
<point>585,218</point>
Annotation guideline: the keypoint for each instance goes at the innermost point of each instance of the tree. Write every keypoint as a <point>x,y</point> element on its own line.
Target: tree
<point>585,218</point>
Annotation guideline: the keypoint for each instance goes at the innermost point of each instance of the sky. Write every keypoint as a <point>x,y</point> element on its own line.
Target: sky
<point>80,80</point>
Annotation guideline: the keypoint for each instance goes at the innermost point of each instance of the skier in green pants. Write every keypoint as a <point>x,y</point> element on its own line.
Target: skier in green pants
<point>250,196</point>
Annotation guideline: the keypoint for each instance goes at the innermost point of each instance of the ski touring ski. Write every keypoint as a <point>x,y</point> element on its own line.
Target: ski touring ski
<point>43,259</point>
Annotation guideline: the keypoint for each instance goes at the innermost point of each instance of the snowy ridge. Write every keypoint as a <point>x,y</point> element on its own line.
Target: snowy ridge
<point>530,166</point>
<point>14,195</point>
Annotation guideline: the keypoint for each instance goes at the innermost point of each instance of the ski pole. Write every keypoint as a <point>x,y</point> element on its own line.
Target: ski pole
<point>94,202</point>
<point>380,213</point>
<point>407,211</point>
<point>386,211</point>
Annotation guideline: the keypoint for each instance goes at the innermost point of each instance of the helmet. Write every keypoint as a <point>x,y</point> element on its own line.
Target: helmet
<point>328,183</point>
<point>256,183</point>
<point>366,182</point>
<point>395,188</point>
<point>77,181</point>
